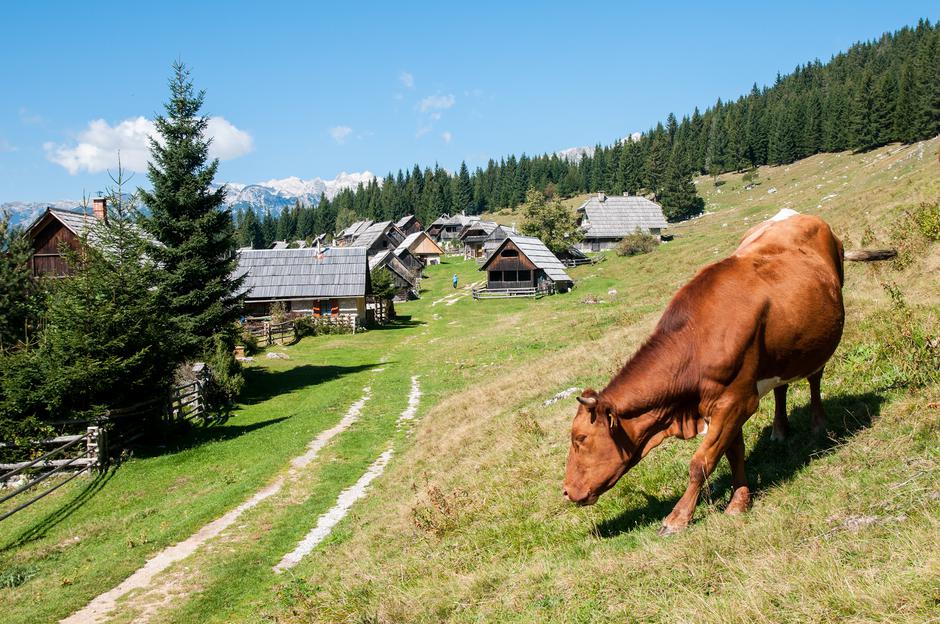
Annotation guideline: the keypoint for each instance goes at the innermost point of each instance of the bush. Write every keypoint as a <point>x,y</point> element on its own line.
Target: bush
<point>913,232</point>
<point>637,243</point>
<point>313,326</point>
<point>226,379</point>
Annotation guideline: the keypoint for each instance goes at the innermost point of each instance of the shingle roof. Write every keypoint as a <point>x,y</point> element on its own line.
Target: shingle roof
<point>536,251</point>
<point>618,216</point>
<point>479,230</point>
<point>299,274</point>
<point>404,220</point>
<point>80,224</point>
<point>374,232</point>
<point>355,229</point>
<point>408,242</point>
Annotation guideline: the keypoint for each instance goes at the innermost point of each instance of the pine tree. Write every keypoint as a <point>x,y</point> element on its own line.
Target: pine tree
<point>463,191</point>
<point>192,227</point>
<point>19,294</point>
<point>679,198</point>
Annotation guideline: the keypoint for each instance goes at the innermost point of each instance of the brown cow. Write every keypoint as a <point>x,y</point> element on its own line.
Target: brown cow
<point>768,315</point>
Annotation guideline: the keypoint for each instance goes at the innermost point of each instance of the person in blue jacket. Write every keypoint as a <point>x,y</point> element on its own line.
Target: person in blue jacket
<point>455,280</point>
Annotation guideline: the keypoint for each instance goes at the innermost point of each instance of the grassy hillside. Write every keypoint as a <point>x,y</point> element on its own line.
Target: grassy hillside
<point>468,523</point>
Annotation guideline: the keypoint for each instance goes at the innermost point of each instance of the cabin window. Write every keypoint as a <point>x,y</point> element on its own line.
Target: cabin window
<point>324,307</point>
<point>509,276</point>
<point>496,276</point>
<point>524,276</point>
<point>510,253</point>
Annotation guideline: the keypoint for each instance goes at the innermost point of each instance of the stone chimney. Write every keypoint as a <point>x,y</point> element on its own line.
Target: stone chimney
<point>601,197</point>
<point>99,208</point>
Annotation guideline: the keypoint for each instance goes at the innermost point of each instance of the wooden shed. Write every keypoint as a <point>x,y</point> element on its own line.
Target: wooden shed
<point>406,280</point>
<point>607,220</point>
<point>333,282</point>
<point>524,265</point>
<point>378,237</point>
<point>56,231</point>
<point>421,245</point>
<point>409,224</point>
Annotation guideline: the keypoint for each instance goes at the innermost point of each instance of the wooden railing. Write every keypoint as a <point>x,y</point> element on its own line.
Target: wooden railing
<point>505,293</point>
<point>269,333</point>
<point>78,453</point>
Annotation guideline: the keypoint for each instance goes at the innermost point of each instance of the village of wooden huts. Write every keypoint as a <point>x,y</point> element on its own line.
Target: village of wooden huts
<point>523,266</point>
<point>447,228</point>
<point>606,220</point>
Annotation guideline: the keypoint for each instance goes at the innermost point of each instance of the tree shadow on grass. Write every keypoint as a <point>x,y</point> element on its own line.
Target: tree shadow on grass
<point>191,436</point>
<point>769,462</point>
<point>41,527</point>
<point>262,384</point>
<point>399,322</point>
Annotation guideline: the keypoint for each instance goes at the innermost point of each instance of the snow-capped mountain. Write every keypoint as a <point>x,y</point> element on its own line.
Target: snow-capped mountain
<point>274,194</point>
<point>575,154</point>
<point>22,212</point>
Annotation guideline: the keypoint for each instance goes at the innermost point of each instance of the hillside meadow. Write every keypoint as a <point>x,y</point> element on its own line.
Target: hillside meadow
<point>468,522</point>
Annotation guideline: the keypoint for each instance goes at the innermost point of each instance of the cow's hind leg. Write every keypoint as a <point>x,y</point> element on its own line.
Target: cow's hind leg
<point>815,403</point>
<point>740,494</point>
<point>781,423</point>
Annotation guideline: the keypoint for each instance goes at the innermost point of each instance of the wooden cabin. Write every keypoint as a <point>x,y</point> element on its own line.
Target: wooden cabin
<point>409,224</point>
<point>349,234</point>
<point>446,228</point>
<point>523,263</point>
<point>333,282</point>
<point>605,220</point>
<point>56,232</point>
<point>421,245</point>
<point>406,280</point>
<point>378,237</point>
<point>474,236</point>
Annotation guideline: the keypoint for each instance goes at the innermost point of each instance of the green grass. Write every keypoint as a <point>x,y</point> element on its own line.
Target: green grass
<point>468,523</point>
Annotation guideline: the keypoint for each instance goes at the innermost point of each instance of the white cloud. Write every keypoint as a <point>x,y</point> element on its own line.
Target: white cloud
<point>407,80</point>
<point>98,145</point>
<point>447,136</point>
<point>6,146</point>
<point>422,130</point>
<point>340,133</point>
<point>436,102</point>
<point>228,142</point>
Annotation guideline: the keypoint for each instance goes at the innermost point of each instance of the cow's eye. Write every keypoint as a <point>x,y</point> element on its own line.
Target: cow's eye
<point>580,439</point>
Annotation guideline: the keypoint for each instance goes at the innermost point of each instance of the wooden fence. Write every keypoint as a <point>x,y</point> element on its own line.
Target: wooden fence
<point>505,293</point>
<point>92,449</point>
<point>269,333</point>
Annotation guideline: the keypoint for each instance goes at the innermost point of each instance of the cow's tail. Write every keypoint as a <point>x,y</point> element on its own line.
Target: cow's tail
<point>870,255</point>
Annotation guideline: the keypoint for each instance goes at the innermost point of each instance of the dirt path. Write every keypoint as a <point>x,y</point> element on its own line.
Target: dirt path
<point>99,608</point>
<point>350,495</point>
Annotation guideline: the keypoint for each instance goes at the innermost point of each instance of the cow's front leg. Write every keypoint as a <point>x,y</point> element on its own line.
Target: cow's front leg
<point>726,420</point>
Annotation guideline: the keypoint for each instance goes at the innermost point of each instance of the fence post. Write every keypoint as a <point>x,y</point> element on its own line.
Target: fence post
<point>96,446</point>
<point>268,339</point>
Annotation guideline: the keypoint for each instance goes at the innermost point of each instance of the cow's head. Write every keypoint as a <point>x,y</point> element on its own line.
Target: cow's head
<point>602,450</point>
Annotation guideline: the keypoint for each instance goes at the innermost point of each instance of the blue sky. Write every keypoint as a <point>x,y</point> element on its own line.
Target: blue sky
<point>305,90</point>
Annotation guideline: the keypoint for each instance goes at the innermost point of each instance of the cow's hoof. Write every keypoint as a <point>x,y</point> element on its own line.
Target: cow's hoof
<point>666,530</point>
<point>778,436</point>
<point>739,503</point>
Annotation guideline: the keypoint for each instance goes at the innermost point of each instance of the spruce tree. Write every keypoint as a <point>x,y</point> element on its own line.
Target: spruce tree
<point>193,229</point>
<point>463,191</point>
<point>679,198</point>
<point>19,294</point>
